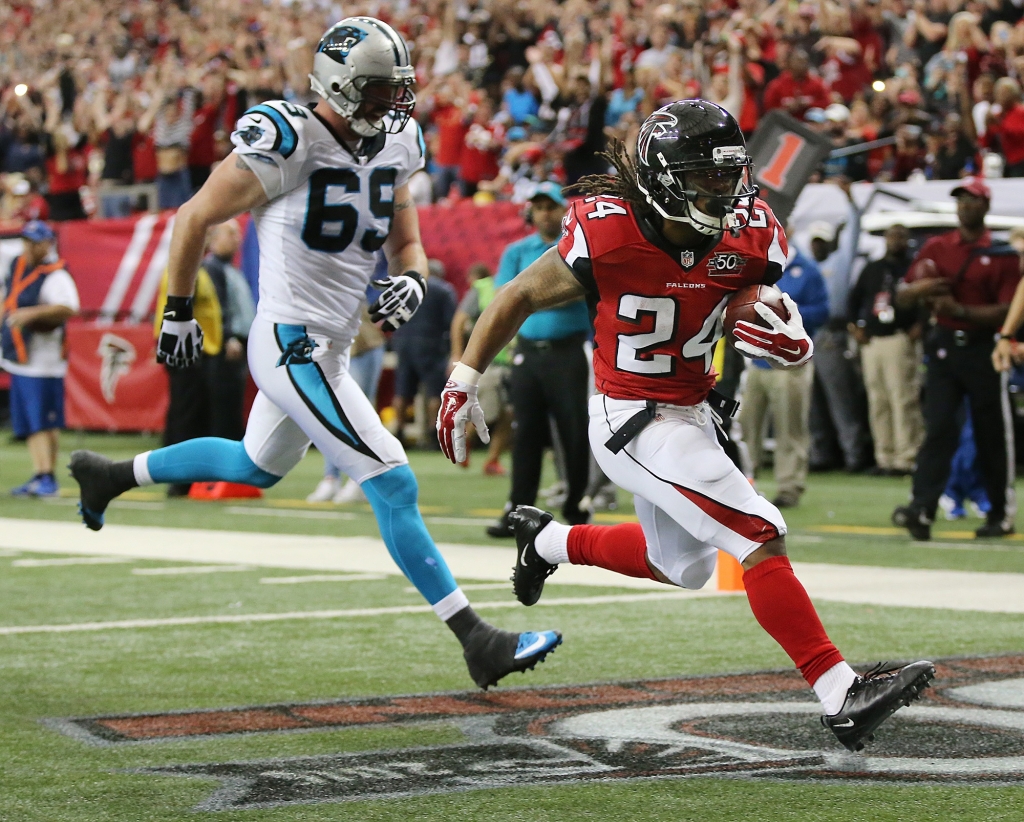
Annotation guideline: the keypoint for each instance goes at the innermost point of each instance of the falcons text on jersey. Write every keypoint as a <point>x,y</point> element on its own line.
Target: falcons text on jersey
<point>659,308</point>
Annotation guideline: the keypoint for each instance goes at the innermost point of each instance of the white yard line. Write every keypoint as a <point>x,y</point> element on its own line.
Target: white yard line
<point>47,563</point>
<point>322,578</point>
<point>293,615</point>
<point>899,587</point>
<point>286,513</point>
<point>174,570</point>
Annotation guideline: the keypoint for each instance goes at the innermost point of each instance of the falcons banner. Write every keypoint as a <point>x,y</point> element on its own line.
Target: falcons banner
<point>786,153</point>
<point>114,382</point>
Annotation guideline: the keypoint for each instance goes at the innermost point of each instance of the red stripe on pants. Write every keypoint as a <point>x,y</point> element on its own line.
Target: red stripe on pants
<point>751,526</point>
<point>619,548</point>
<point>782,607</point>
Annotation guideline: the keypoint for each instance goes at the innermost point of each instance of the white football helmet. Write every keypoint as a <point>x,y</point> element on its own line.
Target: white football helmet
<point>362,69</point>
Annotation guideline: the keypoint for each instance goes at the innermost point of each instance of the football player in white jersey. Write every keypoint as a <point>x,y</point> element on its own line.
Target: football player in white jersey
<point>327,187</point>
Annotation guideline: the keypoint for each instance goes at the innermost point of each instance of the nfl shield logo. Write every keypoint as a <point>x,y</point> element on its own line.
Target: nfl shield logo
<point>686,258</point>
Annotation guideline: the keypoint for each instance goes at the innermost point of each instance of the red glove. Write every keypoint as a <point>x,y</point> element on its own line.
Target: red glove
<point>459,404</point>
<point>785,343</point>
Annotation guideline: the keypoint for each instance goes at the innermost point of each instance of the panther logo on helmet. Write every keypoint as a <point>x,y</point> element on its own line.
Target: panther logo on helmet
<point>341,40</point>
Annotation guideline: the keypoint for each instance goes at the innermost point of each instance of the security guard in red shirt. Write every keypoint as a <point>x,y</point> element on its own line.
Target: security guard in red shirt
<point>967,281</point>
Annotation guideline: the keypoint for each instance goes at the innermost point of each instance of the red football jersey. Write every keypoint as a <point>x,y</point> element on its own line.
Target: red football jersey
<point>659,308</point>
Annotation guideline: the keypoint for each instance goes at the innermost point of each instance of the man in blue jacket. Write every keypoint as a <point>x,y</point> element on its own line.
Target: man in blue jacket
<point>787,392</point>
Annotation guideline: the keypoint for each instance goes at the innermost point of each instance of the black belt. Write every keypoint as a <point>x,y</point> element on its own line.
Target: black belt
<point>573,340</point>
<point>959,338</point>
<point>721,406</point>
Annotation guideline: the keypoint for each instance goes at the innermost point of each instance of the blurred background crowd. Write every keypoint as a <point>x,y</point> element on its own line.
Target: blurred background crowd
<point>97,97</point>
<point>107,109</point>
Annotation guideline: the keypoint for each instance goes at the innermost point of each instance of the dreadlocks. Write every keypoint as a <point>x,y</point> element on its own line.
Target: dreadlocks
<point>622,184</point>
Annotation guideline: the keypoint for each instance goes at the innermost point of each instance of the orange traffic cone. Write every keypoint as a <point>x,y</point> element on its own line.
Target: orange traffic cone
<point>223,490</point>
<point>730,572</point>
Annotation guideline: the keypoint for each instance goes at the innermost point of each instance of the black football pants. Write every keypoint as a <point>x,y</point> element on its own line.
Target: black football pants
<point>550,380</point>
<point>955,371</point>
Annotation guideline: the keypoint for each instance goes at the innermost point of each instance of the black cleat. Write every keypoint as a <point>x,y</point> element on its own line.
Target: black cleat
<point>873,698</point>
<point>530,571</point>
<point>915,521</point>
<point>97,485</point>
<point>994,528</point>
<point>491,653</point>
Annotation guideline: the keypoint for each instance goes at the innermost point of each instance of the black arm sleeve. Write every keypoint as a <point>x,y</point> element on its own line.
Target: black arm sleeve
<point>772,274</point>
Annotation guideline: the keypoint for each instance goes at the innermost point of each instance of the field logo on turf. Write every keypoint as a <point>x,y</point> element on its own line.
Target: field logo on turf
<point>969,728</point>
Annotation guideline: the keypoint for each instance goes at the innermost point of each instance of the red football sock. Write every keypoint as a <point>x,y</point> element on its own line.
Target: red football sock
<point>782,607</point>
<point>619,548</point>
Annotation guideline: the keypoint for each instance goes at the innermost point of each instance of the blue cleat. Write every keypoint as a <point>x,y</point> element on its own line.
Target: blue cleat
<point>537,645</point>
<point>491,653</point>
<point>41,485</point>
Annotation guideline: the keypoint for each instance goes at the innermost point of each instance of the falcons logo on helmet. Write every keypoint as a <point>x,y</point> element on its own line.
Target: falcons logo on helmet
<point>659,125</point>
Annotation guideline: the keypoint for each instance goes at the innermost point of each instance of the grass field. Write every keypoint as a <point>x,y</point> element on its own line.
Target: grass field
<point>48,776</point>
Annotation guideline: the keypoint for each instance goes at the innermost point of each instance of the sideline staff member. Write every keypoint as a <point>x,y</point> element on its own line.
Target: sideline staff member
<point>550,374</point>
<point>968,284</point>
<point>39,297</point>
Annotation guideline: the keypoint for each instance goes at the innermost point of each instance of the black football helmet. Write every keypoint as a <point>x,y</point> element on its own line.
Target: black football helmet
<point>692,165</point>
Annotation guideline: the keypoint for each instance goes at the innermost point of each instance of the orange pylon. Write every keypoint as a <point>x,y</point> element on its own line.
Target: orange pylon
<point>730,573</point>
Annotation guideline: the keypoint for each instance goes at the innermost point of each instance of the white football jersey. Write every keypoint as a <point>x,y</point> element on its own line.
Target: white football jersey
<point>329,212</point>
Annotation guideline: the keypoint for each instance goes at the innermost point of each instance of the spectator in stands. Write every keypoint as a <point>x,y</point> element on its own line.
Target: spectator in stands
<point>39,296</point>
<point>226,371</point>
<point>518,101</point>
<point>482,145</point>
<point>1006,124</point>
<point>212,123</point>
<point>116,125</point>
<point>887,335</point>
<point>189,410</point>
<point>20,202</point>
<point>795,90</point>
<point>423,345</point>
<point>174,104</point>
<point>786,392</point>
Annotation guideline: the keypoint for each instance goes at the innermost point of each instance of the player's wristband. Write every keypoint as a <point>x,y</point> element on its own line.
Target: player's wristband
<point>178,309</point>
<point>1002,335</point>
<point>417,277</point>
<point>463,373</point>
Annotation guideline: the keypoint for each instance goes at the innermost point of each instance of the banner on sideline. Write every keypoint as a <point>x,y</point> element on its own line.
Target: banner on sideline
<point>114,382</point>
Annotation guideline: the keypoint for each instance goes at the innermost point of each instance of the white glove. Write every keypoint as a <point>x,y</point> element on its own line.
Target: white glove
<point>459,404</point>
<point>785,343</point>
<point>399,298</point>
<point>181,339</point>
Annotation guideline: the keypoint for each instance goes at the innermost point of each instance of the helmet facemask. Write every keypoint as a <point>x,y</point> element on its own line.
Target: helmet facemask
<point>703,195</point>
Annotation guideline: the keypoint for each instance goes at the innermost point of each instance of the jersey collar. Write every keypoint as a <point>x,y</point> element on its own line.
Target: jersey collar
<point>369,147</point>
<point>685,258</point>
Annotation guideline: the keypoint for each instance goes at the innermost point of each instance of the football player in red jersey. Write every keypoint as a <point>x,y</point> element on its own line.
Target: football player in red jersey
<point>658,250</point>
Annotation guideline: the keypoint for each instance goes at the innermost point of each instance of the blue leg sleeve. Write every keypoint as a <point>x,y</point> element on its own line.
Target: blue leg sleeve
<point>393,497</point>
<point>207,459</point>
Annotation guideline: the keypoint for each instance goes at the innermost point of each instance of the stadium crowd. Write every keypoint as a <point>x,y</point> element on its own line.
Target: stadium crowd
<point>97,95</point>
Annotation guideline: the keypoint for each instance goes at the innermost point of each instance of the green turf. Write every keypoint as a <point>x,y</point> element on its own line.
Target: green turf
<point>48,777</point>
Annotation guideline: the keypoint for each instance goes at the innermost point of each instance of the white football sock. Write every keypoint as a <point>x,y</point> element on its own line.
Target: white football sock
<point>141,467</point>
<point>552,543</point>
<point>831,687</point>
<point>449,606</point>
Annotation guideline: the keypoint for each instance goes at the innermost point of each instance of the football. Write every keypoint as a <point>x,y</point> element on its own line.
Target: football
<point>741,307</point>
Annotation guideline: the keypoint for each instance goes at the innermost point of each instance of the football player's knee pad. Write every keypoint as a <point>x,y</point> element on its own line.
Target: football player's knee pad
<point>396,488</point>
